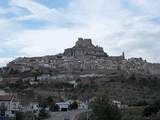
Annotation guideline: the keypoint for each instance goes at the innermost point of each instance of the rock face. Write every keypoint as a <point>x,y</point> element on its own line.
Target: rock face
<point>83,58</point>
<point>85,48</point>
<point>84,43</point>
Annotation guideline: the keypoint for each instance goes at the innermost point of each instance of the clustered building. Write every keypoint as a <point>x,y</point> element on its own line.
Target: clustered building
<point>83,58</point>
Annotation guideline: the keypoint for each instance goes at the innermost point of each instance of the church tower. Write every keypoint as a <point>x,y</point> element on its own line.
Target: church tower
<point>123,55</point>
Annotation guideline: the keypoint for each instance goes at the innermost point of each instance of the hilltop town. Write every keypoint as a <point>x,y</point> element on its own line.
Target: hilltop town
<point>83,58</point>
<point>79,74</point>
<point>77,63</point>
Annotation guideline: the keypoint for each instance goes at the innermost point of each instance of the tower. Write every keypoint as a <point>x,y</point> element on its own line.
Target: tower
<point>123,55</point>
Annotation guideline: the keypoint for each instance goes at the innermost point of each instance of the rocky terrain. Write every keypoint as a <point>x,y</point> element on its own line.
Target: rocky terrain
<point>128,80</point>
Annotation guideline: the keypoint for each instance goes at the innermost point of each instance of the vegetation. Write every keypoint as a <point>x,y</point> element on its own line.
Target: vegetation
<point>43,114</point>
<point>152,109</point>
<point>133,113</point>
<point>102,109</point>
<point>73,106</point>
<point>2,109</point>
<point>24,116</point>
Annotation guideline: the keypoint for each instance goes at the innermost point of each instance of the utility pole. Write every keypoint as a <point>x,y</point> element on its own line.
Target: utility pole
<point>87,116</point>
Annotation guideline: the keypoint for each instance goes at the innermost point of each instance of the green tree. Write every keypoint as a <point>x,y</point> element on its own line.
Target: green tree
<point>152,108</point>
<point>158,116</point>
<point>49,100</point>
<point>36,73</point>
<point>43,114</point>
<point>102,109</point>
<point>2,109</point>
<point>19,116</point>
<point>74,106</point>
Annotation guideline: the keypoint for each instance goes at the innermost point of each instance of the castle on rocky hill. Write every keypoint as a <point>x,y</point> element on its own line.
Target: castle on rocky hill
<point>83,58</point>
<point>84,47</point>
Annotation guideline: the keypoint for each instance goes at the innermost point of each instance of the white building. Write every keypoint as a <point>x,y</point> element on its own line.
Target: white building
<point>74,83</point>
<point>63,106</point>
<point>117,103</point>
<point>82,106</point>
<point>8,105</point>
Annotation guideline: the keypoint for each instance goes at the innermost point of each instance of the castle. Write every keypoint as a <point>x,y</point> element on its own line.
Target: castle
<point>84,47</point>
<point>83,58</point>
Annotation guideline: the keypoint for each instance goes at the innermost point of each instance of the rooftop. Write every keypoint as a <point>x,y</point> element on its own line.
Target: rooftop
<point>6,97</point>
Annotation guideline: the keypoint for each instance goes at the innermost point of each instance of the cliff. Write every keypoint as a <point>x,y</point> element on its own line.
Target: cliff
<point>85,48</point>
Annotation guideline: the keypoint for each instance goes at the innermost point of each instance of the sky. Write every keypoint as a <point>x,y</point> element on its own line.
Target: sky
<point>46,27</point>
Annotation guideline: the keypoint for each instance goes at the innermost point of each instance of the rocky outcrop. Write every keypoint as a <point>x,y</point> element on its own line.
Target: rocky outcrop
<point>85,48</point>
<point>83,58</point>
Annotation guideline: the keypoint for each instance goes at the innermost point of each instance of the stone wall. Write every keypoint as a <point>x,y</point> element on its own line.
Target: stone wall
<point>84,57</point>
<point>84,47</point>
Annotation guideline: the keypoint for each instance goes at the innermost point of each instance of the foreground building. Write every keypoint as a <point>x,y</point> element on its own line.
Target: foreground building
<point>8,105</point>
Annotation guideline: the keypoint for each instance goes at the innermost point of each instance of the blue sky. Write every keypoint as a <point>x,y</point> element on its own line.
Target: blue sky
<point>47,27</point>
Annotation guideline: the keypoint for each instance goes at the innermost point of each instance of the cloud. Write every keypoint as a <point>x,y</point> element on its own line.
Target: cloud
<point>37,11</point>
<point>148,7</point>
<point>111,24</point>
<point>4,61</point>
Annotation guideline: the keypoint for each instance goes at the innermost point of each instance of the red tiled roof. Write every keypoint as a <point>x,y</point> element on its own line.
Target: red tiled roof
<point>6,97</point>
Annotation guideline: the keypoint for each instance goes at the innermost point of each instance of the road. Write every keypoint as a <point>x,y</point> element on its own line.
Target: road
<point>62,115</point>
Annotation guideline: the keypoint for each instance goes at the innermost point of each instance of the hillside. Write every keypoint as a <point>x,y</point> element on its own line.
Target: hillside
<point>127,80</point>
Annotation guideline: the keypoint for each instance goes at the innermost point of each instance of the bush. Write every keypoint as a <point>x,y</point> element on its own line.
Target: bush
<point>152,109</point>
<point>73,106</point>
<point>141,103</point>
<point>133,113</point>
<point>19,115</point>
<point>103,110</point>
<point>56,108</point>
<point>158,116</point>
<point>43,114</point>
<point>132,117</point>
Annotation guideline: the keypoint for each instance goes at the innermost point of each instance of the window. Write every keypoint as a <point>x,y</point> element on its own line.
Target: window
<point>13,112</point>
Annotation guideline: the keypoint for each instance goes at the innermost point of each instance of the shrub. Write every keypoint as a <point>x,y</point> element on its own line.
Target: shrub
<point>103,110</point>
<point>152,109</point>
<point>73,106</point>
<point>43,114</point>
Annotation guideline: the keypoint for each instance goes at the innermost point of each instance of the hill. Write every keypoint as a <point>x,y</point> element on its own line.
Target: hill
<point>127,80</point>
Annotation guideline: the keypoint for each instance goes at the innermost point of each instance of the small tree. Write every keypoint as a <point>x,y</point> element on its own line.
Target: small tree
<point>152,108</point>
<point>36,73</point>
<point>19,115</point>
<point>102,109</point>
<point>2,109</point>
<point>43,114</point>
<point>49,101</point>
<point>158,116</point>
<point>56,108</point>
<point>73,106</point>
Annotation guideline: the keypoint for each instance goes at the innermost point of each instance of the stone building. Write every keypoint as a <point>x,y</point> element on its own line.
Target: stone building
<point>83,58</point>
<point>85,48</point>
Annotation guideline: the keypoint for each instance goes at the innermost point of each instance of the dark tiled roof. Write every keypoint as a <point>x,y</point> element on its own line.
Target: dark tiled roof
<point>6,97</point>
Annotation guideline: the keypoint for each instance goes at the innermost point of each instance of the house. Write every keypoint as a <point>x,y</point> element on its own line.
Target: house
<point>74,83</point>
<point>8,105</point>
<point>34,106</point>
<point>30,107</point>
<point>12,80</point>
<point>117,103</point>
<point>63,106</point>
<point>82,106</point>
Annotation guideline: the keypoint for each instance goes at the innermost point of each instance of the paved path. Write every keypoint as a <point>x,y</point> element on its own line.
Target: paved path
<point>62,115</point>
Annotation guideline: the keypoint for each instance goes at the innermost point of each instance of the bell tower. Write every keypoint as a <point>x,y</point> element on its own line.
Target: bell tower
<point>123,55</point>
